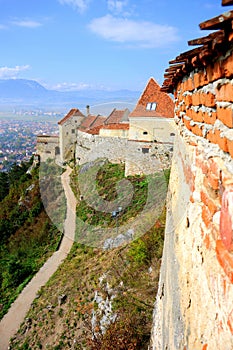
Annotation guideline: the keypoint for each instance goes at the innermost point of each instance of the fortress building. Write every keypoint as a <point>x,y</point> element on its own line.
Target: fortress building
<point>146,128</point>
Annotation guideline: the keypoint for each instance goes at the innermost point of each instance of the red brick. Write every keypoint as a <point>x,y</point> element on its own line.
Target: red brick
<point>213,167</point>
<point>211,137</point>
<point>189,113</point>
<point>196,101</point>
<point>206,216</point>
<point>230,321</point>
<point>230,147</point>
<point>196,130</point>
<point>225,93</point>
<point>187,124</point>
<point>220,93</point>
<point>191,199</point>
<point>209,203</point>
<point>227,66</point>
<point>225,259</point>
<point>218,72</point>
<point>188,100</point>
<point>208,99</point>
<point>189,84</point>
<point>213,181</point>
<point>200,163</point>
<point>226,219</point>
<point>221,141</point>
<point>203,79</point>
<point>226,116</point>
<point>197,116</point>
<point>210,119</point>
<point>183,108</point>
<point>207,241</point>
<point>213,73</point>
<point>200,79</point>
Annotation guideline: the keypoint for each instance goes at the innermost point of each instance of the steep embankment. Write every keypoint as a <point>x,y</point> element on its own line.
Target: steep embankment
<point>100,299</point>
<point>15,316</point>
<point>27,235</point>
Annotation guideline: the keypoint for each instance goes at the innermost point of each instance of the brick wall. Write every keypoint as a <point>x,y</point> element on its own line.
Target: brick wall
<point>204,103</point>
<point>194,305</point>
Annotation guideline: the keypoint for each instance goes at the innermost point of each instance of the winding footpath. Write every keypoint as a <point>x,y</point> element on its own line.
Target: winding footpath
<point>11,322</point>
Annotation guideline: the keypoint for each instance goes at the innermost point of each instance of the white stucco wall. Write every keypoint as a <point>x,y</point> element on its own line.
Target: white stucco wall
<point>150,129</point>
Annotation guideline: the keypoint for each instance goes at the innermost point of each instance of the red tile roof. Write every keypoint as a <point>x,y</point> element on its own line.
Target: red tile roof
<point>72,112</point>
<point>94,131</point>
<point>92,123</point>
<point>119,126</point>
<point>210,48</point>
<point>99,121</point>
<point>87,122</point>
<point>118,116</point>
<point>151,94</point>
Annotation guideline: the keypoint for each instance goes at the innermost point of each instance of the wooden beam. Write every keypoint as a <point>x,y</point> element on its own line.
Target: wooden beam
<point>190,53</point>
<point>218,22</point>
<point>205,40</point>
<point>174,67</point>
<point>177,60</point>
<point>227,2</point>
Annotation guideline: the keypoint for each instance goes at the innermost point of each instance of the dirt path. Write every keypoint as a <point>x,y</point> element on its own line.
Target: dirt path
<point>18,310</point>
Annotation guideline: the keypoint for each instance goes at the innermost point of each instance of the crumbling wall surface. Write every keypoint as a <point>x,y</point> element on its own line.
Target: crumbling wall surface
<point>194,305</point>
<point>138,157</point>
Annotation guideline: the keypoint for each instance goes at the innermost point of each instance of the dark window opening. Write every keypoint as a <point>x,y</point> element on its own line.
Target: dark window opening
<point>145,150</point>
<point>73,131</point>
<point>145,133</point>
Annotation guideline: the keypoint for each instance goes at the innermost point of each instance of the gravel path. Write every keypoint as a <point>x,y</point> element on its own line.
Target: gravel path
<point>11,322</point>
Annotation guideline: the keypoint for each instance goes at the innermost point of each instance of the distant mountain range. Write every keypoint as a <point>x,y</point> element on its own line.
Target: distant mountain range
<point>29,94</point>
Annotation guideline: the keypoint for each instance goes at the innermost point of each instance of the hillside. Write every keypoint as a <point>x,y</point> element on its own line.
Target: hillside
<point>27,235</point>
<point>100,298</point>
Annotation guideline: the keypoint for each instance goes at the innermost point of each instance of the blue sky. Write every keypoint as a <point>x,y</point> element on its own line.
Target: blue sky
<point>105,44</point>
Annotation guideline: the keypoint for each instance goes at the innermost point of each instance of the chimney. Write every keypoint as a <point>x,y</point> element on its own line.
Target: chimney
<point>88,109</point>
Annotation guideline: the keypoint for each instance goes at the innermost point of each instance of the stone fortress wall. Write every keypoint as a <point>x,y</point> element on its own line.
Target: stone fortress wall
<point>194,305</point>
<point>139,157</point>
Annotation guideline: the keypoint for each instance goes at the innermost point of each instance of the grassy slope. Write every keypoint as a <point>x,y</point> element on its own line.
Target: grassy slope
<point>27,235</point>
<point>127,275</point>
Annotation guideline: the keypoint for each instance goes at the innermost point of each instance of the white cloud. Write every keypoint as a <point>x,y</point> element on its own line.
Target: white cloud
<point>81,5</point>
<point>26,23</point>
<point>8,72</point>
<point>137,33</point>
<point>71,86</point>
<point>116,6</point>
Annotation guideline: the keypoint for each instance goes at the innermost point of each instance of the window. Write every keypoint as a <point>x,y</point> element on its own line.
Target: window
<point>151,106</point>
<point>145,150</point>
<point>145,133</point>
<point>172,134</point>
<point>73,131</point>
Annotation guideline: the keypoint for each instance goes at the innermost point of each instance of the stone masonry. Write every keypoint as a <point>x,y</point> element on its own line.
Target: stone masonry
<point>194,305</point>
<point>138,157</point>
